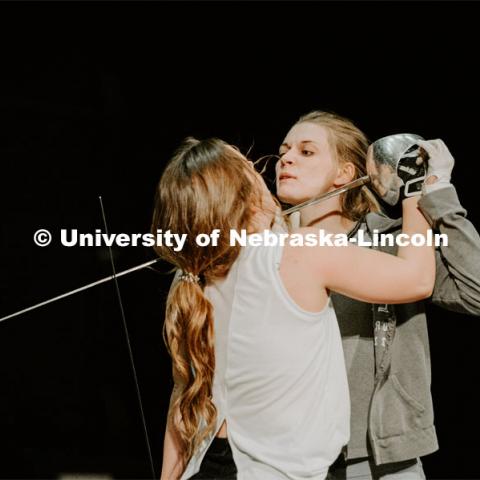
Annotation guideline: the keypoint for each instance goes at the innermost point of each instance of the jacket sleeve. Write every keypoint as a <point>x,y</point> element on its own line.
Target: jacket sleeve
<point>457,283</point>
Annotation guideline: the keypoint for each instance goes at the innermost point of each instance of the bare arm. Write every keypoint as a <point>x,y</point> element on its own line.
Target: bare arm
<point>172,465</point>
<point>373,276</point>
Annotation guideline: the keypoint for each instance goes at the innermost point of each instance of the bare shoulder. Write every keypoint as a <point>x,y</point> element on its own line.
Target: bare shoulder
<point>311,254</point>
<point>304,230</point>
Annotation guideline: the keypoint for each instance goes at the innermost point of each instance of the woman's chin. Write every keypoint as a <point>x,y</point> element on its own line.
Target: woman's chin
<point>291,198</point>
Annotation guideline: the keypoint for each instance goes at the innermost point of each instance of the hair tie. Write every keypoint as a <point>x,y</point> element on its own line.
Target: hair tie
<point>189,277</point>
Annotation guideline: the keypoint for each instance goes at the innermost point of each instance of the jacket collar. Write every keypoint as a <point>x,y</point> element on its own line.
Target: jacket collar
<point>381,223</point>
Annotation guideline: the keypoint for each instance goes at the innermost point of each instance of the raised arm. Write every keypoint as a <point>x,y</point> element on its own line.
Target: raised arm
<point>457,284</point>
<point>373,276</point>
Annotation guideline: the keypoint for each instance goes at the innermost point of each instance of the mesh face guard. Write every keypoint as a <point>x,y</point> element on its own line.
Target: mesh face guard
<point>397,167</point>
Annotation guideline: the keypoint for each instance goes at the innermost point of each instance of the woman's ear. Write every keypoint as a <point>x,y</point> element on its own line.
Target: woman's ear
<point>345,174</point>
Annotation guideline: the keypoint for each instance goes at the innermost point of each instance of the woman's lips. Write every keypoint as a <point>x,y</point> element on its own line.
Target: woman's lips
<point>285,176</point>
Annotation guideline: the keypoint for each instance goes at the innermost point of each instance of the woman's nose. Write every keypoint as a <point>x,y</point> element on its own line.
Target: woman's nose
<point>286,158</point>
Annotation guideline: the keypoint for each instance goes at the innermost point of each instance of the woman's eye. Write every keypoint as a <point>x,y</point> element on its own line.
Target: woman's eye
<point>281,154</point>
<point>307,153</point>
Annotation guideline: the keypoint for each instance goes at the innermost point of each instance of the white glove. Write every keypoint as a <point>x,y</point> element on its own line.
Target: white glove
<point>440,164</point>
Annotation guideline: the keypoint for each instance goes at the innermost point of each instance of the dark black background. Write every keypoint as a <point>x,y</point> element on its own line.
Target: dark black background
<point>94,97</point>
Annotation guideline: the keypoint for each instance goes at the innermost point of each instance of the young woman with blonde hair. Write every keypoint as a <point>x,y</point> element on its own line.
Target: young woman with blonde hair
<point>386,346</point>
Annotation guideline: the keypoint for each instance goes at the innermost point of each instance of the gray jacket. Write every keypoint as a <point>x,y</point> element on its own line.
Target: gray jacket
<point>400,423</point>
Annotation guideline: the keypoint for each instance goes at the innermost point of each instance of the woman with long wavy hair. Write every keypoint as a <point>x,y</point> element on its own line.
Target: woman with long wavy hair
<point>257,359</point>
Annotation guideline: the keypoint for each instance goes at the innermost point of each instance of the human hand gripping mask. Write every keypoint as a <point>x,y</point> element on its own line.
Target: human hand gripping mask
<point>397,166</point>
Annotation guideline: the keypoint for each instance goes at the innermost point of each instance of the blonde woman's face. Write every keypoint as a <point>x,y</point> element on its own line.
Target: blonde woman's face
<point>306,167</point>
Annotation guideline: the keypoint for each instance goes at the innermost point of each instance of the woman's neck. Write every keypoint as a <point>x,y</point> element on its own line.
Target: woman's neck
<point>327,216</point>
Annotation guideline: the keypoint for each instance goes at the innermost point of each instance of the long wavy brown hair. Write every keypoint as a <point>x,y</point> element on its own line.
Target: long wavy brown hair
<point>349,144</point>
<point>206,185</point>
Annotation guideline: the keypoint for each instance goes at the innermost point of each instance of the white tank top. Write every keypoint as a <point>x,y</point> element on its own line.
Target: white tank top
<point>280,380</point>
